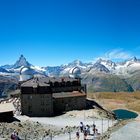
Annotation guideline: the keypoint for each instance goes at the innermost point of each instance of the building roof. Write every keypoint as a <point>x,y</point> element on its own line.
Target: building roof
<point>68,94</point>
<point>45,81</point>
<point>6,107</point>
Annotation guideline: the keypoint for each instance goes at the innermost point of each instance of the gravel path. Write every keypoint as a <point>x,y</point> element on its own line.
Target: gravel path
<point>131,131</point>
<point>63,121</point>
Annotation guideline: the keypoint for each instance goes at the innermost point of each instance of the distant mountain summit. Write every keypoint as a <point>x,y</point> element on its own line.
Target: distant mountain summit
<point>107,63</point>
<point>98,67</point>
<point>76,63</point>
<point>102,75</point>
<point>21,62</point>
<point>125,68</point>
<point>3,70</point>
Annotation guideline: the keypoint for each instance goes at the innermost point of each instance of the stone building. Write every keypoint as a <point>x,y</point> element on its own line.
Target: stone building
<point>44,96</point>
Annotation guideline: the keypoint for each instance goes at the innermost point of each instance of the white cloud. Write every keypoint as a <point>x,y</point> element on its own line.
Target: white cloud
<point>116,54</point>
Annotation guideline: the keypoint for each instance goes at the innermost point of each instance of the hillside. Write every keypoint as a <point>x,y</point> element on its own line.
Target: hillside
<point>134,80</point>
<point>124,100</point>
<point>100,82</point>
<point>7,84</point>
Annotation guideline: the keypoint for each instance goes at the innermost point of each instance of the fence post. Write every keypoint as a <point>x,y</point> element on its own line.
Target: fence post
<point>25,136</point>
<point>84,116</point>
<point>108,123</point>
<point>51,136</point>
<point>69,135</point>
<point>102,126</point>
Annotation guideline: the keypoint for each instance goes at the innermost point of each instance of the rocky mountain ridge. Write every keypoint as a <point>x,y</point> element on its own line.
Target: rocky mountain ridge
<point>102,75</point>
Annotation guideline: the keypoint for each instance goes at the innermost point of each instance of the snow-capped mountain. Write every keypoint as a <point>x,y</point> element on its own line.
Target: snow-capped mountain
<point>125,68</point>
<point>16,67</point>
<point>128,67</point>
<point>77,63</point>
<point>107,66</point>
<point>107,63</point>
<point>21,62</point>
<point>2,70</point>
<point>102,75</point>
<point>98,67</point>
<point>65,69</point>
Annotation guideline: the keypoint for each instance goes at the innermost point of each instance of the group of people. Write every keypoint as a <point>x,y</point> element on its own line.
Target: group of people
<point>85,129</point>
<point>14,136</point>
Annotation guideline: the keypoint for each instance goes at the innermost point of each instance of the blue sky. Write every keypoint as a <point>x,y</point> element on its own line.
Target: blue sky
<point>53,32</point>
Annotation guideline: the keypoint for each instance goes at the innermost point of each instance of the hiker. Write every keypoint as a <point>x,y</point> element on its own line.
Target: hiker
<point>96,132</point>
<point>77,135</point>
<point>85,135</point>
<point>17,137</point>
<point>14,135</point>
<point>81,127</point>
<point>84,129</point>
<point>88,129</point>
<point>94,125</point>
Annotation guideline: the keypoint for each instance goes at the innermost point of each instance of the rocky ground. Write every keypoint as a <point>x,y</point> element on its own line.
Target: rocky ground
<point>72,119</point>
<point>58,127</point>
<point>36,128</point>
<point>29,130</point>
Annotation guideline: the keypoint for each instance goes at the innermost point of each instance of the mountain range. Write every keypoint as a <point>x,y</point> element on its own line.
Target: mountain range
<point>102,75</point>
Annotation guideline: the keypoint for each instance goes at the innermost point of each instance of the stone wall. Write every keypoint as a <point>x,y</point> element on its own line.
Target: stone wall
<point>37,104</point>
<point>69,103</point>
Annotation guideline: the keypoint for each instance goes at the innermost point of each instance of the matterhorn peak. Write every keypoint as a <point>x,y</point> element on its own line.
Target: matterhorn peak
<point>22,58</point>
<point>21,62</point>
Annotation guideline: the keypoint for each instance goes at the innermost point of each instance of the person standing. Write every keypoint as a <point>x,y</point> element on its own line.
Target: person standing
<point>85,135</point>
<point>14,135</point>
<point>77,135</point>
<point>88,129</point>
<point>17,137</point>
<point>81,127</point>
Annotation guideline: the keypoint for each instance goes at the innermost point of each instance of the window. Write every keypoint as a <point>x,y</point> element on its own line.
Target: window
<point>29,109</point>
<point>42,109</point>
<point>42,96</point>
<point>30,97</point>
<point>42,103</point>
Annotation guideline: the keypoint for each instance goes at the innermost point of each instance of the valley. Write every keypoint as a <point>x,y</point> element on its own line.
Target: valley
<point>99,76</point>
<point>123,100</point>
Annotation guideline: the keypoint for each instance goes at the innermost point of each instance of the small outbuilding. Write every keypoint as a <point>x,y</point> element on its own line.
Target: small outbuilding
<point>6,111</point>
